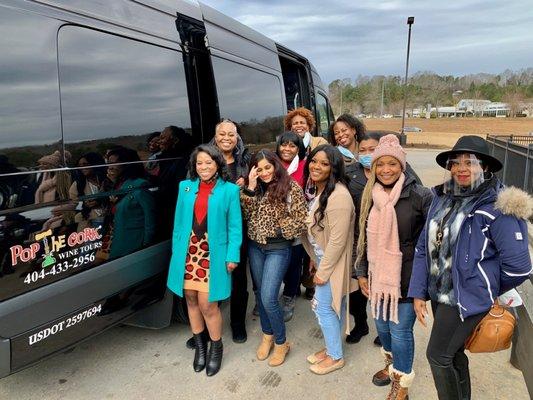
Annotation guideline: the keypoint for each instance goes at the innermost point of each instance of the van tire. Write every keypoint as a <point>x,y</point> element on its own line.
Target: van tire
<point>179,310</point>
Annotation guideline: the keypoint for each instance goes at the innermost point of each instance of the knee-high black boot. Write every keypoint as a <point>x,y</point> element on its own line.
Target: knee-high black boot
<point>460,362</point>
<point>214,357</point>
<point>447,382</point>
<point>200,351</point>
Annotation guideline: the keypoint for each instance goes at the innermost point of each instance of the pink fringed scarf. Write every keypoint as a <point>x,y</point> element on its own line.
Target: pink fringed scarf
<point>383,251</point>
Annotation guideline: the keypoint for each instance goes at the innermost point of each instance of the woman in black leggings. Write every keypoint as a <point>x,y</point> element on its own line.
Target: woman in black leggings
<point>473,248</point>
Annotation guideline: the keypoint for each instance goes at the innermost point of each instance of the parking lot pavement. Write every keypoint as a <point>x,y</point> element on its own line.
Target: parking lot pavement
<point>423,162</point>
<point>134,364</point>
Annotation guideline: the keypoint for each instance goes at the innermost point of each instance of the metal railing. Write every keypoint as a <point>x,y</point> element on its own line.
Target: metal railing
<point>516,154</point>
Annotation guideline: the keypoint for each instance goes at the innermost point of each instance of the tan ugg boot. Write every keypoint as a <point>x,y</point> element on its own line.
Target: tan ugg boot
<point>263,351</point>
<point>400,384</point>
<point>279,354</point>
<point>382,378</point>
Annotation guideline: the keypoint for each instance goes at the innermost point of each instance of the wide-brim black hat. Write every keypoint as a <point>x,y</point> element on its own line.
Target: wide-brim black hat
<point>473,145</point>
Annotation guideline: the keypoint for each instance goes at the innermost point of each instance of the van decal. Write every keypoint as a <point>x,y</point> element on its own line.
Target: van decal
<point>58,327</point>
<point>25,254</point>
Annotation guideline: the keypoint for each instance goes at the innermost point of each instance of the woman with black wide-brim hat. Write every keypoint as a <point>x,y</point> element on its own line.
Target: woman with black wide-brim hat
<point>473,248</point>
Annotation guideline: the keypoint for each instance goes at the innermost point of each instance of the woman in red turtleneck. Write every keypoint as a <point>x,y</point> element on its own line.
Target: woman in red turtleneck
<point>206,249</point>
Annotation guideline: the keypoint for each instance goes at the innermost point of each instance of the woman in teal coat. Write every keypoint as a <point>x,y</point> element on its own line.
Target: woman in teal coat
<point>205,249</point>
<point>132,204</point>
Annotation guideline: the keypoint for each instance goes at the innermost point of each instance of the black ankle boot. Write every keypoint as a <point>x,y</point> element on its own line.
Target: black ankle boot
<point>191,344</point>
<point>200,352</point>
<point>447,382</point>
<point>357,333</point>
<point>214,357</point>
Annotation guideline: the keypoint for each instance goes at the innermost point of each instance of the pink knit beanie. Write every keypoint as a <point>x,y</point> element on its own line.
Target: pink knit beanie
<point>55,159</point>
<point>389,145</point>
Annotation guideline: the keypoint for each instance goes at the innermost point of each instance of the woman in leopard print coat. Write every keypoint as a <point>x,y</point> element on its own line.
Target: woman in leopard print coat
<point>275,209</point>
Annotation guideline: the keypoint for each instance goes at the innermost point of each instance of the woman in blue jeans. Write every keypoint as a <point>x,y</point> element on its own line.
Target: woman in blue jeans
<point>274,207</point>
<point>329,242</point>
<point>393,212</point>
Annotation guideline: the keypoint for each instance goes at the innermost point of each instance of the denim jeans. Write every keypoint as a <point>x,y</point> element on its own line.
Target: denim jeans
<point>329,321</point>
<point>398,338</point>
<point>268,267</point>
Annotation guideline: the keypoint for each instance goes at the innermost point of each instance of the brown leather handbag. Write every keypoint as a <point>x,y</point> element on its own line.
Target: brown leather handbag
<point>494,332</point>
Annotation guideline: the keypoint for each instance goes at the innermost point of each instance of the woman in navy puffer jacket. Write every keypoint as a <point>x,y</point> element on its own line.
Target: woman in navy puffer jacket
<point>474,247</point>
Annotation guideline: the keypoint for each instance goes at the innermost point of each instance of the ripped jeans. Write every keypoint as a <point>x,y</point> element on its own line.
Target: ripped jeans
<point>329,321</point>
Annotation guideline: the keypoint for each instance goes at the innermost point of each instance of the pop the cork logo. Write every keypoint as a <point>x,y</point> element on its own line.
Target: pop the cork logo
<point>26,254</point>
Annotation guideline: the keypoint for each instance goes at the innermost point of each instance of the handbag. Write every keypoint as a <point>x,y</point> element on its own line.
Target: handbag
<point>494,332</point>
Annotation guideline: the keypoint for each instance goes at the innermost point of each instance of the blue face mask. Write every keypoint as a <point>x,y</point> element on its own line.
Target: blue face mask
<point>365,160</point>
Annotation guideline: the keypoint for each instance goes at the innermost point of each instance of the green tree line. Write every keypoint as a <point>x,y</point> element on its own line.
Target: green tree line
<point>364,94</point>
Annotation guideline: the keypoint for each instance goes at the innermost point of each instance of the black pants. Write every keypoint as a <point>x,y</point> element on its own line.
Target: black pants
<point>239,289</point>
<point>445,351</point>
<point>294,272</point>
<point>307,277</point>
<point>358,310</point>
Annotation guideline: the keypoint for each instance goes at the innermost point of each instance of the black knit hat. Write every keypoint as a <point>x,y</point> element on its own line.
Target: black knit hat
<point>472,145</point>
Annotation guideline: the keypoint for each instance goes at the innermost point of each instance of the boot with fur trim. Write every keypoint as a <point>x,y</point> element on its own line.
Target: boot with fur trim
<point>400,384</point>
<point>382,377</point>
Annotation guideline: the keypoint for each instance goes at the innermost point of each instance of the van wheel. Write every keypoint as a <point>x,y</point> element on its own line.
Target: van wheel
<point>179,310</point>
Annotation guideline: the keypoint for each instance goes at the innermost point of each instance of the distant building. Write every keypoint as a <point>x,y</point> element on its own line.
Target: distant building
<point>448,111</point>
<point>472,106</point>
<point>496,110</point>
<point>526,110</point>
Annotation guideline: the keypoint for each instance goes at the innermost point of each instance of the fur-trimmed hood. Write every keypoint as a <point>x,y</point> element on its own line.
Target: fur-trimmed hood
<point>516,202</point>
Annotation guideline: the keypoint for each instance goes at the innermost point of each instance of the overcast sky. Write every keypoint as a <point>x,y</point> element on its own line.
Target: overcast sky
<point>345,38</point>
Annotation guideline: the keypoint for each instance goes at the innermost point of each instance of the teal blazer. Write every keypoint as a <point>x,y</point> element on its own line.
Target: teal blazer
<point>224,235</point>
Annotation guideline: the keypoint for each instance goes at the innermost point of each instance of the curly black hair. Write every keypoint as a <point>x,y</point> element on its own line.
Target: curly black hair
<point>352,122</point>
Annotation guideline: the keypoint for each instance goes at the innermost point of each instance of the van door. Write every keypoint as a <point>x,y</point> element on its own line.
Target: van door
<point>296,81</point>
<point>81,250</point>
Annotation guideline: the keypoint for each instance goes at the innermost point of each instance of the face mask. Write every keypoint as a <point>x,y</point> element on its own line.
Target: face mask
<point>365,160</point>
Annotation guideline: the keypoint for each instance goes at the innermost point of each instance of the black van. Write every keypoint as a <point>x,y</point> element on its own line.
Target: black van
<point>87,183</point>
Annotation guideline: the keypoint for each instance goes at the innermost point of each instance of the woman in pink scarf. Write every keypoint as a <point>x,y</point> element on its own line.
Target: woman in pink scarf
<point>393,211</point>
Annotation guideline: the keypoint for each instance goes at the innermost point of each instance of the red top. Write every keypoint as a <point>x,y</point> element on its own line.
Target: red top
<point>200,205</point>
<point>297,175</point>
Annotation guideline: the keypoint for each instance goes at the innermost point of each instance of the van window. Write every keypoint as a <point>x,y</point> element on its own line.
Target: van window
<point>324,115</point>
<point>116,91</point>
<point>252,98</point>
<point>30,125</point>
<point>120,92</point>
<point>295,82</point>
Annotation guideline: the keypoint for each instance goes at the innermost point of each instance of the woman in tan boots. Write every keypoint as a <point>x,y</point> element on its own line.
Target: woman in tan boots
<point>274,206</point>
<point>393,212</point>
<point>329,242</point>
